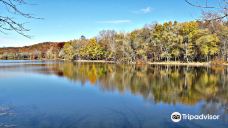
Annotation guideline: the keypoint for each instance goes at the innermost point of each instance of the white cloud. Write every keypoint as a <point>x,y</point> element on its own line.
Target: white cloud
<point>114,21</point>
<point>146,10</point>
<point>143,10</point>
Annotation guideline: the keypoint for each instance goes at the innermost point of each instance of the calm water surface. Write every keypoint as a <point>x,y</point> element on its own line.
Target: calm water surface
<point>49,94</point>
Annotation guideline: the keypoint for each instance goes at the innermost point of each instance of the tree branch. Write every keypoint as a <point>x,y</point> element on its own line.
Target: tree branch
<point>8,23</point>
<point>198,6</point>
<point>222,11</point>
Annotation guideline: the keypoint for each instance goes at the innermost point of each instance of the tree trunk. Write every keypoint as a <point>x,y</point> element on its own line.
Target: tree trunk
<point>186,49</point>
<point>225,54</point>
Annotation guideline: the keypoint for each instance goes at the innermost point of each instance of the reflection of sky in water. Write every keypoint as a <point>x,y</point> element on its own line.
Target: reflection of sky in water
<point>50,101</point>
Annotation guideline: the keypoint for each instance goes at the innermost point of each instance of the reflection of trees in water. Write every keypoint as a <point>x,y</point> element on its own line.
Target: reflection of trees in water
<point>167,84</point>
<point>186,85</point>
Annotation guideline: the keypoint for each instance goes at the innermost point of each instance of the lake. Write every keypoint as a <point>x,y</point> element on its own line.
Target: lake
<point>57,94</point>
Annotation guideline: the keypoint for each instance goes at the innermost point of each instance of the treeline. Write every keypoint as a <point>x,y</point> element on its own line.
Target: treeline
<point>171,41</point>
<point>47,50</point>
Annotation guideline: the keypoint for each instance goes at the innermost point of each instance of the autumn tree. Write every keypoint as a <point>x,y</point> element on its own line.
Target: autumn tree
<point>223,35</point>
<point>68,51</point>
<point>124,49</point>
<point>187,30</point>
<point>106,39</point>
<point>207,45</point>
<point>50,54</point>
<point>92,51</point>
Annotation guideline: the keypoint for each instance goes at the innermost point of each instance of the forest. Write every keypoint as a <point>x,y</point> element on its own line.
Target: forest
<point>193,41</point>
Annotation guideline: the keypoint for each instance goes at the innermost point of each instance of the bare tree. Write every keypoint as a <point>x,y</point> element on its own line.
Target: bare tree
<point>220,10</point>
<point>8,22</point>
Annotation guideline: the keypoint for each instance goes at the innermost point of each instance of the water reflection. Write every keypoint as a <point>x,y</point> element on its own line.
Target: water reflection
<point>169,85</point>
<point>186,85</point>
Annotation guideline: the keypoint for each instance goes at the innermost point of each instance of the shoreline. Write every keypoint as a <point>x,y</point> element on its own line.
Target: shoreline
<point>171,63</point>
<point>94,61</point>
<point>181,63</point>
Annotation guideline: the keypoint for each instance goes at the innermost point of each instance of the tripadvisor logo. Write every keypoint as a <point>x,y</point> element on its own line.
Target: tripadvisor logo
<point>177,117</point>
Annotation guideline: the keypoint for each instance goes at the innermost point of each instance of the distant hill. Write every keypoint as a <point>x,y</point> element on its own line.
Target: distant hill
<point>32,51</point>
<point>42,47</point>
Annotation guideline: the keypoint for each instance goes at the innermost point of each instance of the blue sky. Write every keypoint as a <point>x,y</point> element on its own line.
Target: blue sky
<point>69,19</point>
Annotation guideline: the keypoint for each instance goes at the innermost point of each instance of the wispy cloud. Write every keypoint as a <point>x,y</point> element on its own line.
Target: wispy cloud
<point>114,21</point>
<point>145,10</point>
